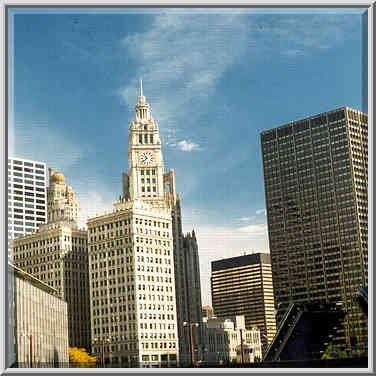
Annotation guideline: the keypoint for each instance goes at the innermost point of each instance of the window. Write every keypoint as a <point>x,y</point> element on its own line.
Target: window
<point>39,166</point>
<point>140,138</point>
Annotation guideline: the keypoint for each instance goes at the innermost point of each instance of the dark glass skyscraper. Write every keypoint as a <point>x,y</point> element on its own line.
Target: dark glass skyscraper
<point>315,173</point>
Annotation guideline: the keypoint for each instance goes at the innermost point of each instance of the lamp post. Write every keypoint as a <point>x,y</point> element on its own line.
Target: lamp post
<point>101,341</point>
<point>241,345</point>
<point>191,343</point>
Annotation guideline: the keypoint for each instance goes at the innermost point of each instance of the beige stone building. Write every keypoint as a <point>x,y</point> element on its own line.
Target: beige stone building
<point>57,255</point>
<point>227,340</point>
<point>62,203</point>
<point>40,326</point>
<point>131,259</point>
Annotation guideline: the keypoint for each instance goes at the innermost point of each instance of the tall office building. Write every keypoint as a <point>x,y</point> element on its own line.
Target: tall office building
<point>27,196</point>
<point>57,255</point>
<point>131,259</point>
<point>188,289</point>
<point>315,173</point>
<point>243,286</point>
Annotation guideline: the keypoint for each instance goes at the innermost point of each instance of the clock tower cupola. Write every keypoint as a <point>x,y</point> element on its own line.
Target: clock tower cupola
<point>146,167</point>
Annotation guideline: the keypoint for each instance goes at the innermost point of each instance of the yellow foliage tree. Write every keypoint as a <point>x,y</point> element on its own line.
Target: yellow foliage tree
<point>79,358</point>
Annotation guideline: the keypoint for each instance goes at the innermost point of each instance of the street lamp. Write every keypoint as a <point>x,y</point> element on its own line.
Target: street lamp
<point>96,340</point>
<point>191,325</point>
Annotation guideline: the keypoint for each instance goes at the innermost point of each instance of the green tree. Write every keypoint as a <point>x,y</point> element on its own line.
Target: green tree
<point>334,352</point>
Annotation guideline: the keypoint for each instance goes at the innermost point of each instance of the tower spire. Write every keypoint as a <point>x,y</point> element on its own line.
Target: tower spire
<point>141,91</point>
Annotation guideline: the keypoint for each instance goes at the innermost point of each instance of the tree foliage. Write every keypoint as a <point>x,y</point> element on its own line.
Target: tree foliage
<point>79,358</point>
<point>334,352</point>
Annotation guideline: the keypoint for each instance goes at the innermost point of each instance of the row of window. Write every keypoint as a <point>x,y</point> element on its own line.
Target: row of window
<point>24,163</point>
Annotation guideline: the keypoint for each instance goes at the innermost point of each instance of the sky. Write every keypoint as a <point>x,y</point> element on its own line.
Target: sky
<point>215,79</point>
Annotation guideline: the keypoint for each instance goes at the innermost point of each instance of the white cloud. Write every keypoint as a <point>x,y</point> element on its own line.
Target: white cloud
<point>216,242</point>
<point>245,219</point>
<point>185,145</point>
<point>93,204</point>
<point>186,55</point>
<point>261,211</point>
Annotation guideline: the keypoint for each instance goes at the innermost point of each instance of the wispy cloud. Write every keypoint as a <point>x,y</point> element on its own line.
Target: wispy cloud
<point>218,242</point>
<point>245,219</point>
<point>186,145</point>
<point>261,211</point>
<point>184,54</point>
<point>39,140</point>
<point>94,203</point>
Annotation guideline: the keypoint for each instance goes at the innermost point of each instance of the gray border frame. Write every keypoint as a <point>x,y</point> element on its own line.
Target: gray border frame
<point>367,76</point>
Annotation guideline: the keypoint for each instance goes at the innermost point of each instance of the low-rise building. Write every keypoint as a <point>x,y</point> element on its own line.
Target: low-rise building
<point>226,340</point>
<point>40,318</point>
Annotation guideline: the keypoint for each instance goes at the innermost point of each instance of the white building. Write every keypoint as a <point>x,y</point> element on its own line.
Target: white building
<point>131,259</point>
<point>27,196</point>
<point>224,341</point>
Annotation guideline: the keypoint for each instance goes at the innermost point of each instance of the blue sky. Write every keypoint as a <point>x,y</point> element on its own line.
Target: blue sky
<point>214,79</point>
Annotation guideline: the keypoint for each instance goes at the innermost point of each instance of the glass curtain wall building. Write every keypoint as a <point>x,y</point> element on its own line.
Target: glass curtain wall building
<point>315,173</point>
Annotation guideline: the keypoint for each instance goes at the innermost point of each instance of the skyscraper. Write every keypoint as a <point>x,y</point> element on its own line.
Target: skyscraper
<point>243,286</point>
<point>315,173</point>
<point>188,289</point>
<point>27,196</point>
<point>57,255</point>
<point>131,258</point>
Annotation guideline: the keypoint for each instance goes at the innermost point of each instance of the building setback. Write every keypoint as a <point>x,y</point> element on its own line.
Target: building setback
<point>57,255</point>
<point>131,259</point>
<point>40,331</point>
<point>315,173</point>
<point>243,286</point>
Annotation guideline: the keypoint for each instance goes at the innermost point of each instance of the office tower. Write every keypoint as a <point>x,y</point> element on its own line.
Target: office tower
<point>57,255</point>
<point>188,288</point>
<point>227,340</point>
<point>315,173</point>
<point>40,331</point>
<point>243,286</point>
<point>131,259</point>
<point>27,196</point>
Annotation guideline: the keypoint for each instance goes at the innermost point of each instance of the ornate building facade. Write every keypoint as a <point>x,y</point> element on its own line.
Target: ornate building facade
<point>131,259</point>
<point>57,255</point>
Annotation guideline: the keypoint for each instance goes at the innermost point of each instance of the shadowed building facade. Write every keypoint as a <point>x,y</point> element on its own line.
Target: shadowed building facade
<point>40,328</point>
<point>315,174</point>
<point>243,286</point>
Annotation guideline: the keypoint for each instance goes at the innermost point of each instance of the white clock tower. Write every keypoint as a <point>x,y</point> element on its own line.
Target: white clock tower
<point>146,166</point>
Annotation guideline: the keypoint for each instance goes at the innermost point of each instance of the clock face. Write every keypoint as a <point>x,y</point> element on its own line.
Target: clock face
<point>146,158</point>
